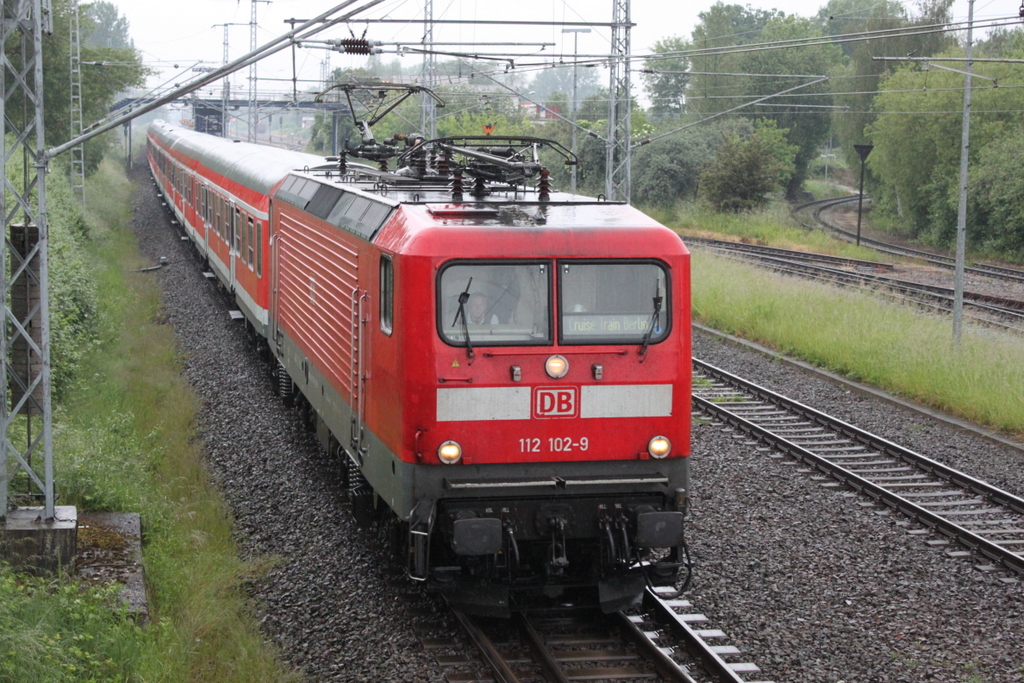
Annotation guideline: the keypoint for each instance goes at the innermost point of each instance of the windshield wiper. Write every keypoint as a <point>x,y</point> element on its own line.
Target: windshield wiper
<point>461,313</point>
<point>655,319</point>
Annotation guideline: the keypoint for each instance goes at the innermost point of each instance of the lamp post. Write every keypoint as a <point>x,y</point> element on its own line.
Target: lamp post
<point>575,72</point>
<point>862,151</point>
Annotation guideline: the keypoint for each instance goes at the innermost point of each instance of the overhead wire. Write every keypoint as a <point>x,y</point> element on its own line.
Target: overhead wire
<point>527,67</point>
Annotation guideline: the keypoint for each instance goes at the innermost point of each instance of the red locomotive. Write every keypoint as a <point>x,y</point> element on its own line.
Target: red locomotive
<point>503,370</point>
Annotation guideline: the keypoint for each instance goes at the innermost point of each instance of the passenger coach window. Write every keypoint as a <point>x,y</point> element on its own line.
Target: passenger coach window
<point>259,249</point>
<point>249,242</point>
<point>612,302</point>
<point>495,303</point>
<point>387,295</point>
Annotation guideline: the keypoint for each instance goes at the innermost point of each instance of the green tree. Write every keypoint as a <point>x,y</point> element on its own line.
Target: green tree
<point>665,78</point>
<point>855,82</point>
<point>808,126</point>
<point>1002,42</point>
<point>997,196</point>
<point>592,119</point>
<point>110,72</point>
<point>559,80</point>
<point>594,108</point>
<point>745,172</point>
<point>731,78</point>
<point>109,28</point>
<point>468,123</point>
<point>916,160</point>
<point>712,88</point>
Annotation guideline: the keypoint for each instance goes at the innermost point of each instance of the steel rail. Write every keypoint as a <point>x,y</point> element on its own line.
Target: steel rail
<point>553,671</point>
<point>878,491</point>
<point>985,269</point>
<point>667,667</point>
<point>695,645</point>
<point>494,659</point>
<point>656,611</point>
<point>786,253</point>
<point>1012,307</point>
<point>931,296</point>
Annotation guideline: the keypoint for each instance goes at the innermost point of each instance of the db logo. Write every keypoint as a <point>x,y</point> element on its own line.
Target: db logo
<point>556,401</point>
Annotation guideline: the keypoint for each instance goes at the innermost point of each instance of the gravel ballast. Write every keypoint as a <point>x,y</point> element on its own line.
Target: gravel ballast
<point>332,602</point>
<point>813,586</point>
<point>817,587</point>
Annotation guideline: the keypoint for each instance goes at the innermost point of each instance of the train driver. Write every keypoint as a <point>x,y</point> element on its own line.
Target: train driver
<point>479,311</point>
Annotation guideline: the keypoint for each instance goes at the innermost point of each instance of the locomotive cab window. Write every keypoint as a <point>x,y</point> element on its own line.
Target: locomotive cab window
<point>494,304</point>
<point>613,302</point>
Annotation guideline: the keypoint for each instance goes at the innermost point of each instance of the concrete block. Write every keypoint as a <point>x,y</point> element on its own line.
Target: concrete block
<point>110,551</point>
<point>30,543</point>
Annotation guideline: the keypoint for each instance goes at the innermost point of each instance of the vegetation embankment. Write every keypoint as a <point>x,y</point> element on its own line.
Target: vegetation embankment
<point>855,334</point>
<point>771,227</point>
<point>124,440</point>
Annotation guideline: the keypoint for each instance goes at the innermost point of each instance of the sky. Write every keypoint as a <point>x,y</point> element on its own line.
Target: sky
<point>172,43</point>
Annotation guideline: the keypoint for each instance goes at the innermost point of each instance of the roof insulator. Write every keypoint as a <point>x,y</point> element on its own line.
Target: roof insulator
<point>358,46</point>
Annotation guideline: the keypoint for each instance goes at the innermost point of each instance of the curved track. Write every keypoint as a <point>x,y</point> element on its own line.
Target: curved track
<point>820,207</point>
<point>979,516</point>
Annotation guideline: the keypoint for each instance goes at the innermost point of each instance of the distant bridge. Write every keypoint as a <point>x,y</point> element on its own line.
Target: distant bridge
<point>209,114</point>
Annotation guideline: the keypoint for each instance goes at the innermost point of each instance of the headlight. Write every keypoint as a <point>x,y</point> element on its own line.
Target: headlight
<point>659,447</point>
<point>556,366</point>
<point>449,452</point>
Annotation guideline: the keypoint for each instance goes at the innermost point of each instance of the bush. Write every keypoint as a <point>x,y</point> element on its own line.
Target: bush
<point>72,292</point>
<point>745,172</point>
<point>667,170</point>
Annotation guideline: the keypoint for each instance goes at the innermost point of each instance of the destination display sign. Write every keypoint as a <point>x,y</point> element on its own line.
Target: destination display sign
<point>606,325</point>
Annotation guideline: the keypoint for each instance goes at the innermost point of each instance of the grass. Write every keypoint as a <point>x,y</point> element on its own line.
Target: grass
<point>125,440</point>
<point>822,190</point>
<point>854,334</point>
<point>864,338</point>
<point>773,227</point>
<point>53,630</point>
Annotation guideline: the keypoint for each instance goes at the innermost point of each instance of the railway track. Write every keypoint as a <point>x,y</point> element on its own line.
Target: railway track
<point>979,516</point>
<point>999,311</point>
<point>820,207</point>
<point>663,641</point>
<point>790,254</point>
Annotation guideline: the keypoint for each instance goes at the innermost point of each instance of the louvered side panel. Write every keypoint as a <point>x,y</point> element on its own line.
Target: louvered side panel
<point>318,273</point>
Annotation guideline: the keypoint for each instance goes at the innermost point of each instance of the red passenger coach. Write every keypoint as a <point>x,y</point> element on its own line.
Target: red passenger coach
<point>502,370</point>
